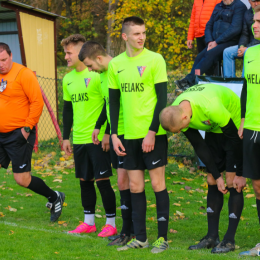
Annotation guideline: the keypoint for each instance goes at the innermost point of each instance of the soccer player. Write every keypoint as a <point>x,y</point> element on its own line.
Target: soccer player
<point>83,102</point>
<point>94,56</point>
<point>21,106</point>
<point>250,119</point>
<point>214,109</point>
<point>139,76</point>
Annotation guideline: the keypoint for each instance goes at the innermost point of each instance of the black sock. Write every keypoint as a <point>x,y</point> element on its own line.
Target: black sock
<point>88,196</point>
<point>258,209</point>
<point>37,185</point>
<point>126,211</point>
<point>235,207</point>
<point>163,207</point>
<point>139,215</point>
<point>108,197</point>
<point>214,206</point>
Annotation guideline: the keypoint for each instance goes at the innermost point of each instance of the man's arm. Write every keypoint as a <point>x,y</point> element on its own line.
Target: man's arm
<point>243,99</point>
<point>102,117</point>
<point>245,36</point>
<point>32,90</point>
<point>235,27</point>
<point>67,119</point>
<point>191,30</point>
<point>209,30</point>
<point>114,107</point>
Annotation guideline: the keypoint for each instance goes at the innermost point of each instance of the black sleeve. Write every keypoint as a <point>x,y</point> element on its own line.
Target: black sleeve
<point>107,129</point>
<point>161,92</point>
<point>102,117</point>
<point>203,151</point>
<point>67,119</point>
<point>114,106</point>
<point>230,131</point>
<point>243,99</point>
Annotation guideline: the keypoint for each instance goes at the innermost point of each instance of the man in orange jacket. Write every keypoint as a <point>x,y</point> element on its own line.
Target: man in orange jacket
<point>21,106</point>
<point>200,15</point>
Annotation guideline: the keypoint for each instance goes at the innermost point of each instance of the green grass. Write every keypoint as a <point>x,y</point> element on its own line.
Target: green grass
<point>28,234</point>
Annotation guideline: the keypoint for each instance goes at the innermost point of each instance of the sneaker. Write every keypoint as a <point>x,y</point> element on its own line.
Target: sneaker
<point>182,84</point>
<point>107,231</point>
<point>121,240</point>
<point>224,246</point>
<point>84,228</point>
<point>112,238</point>
<point>134,243</point>
<point>56,207</point>
<point>252,252</point>
<point>160,245</point>
<point>206,242</point>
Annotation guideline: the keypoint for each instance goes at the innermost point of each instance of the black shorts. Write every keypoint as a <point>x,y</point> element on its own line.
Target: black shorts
<point>136,159</point>
<point>251,154</point>
<point>117,161</point>
<point>91,162</point>
<point>14,147</point>
<point>222,151</point>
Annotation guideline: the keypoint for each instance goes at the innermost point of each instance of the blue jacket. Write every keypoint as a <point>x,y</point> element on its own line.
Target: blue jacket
<point>225,23</point>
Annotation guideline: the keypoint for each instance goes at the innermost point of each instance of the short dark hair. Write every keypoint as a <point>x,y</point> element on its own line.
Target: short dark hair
<point>5,47</point>
<point>132,20</point>
<point>91,50</point>
<point>257,9</point>
<point>74,39</point>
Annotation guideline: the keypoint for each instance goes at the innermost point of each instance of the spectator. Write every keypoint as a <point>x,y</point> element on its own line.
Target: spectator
<point>201,12</point>
<point>246,40</point>
<point>222,31</point>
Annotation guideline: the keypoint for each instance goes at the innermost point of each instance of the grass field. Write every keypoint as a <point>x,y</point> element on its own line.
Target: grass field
<point>26,233</point>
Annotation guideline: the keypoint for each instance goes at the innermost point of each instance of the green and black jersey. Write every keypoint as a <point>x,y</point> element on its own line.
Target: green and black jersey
<point>83,89</point>
<point>212,107</point>
<point>250,98</point>
<point>104,87</point>
<point>136,77</point>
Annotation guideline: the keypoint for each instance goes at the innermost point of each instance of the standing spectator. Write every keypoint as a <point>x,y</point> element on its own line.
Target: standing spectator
<point>21,106</point>
<point>246,40</point>
<point>201,12</point>
<point>222,31</point>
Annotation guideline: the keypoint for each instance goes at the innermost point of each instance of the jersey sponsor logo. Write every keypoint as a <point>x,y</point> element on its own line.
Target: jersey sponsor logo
<point>132,87</point>
<point>87,80</point>
<point>250,61</point>
<point>197,88</point>
<point>156,162</point>
<point>141,70</point>
<point>207,122</point>
<point>101,173</point>
<point>120,71</point>
<point>22,166</point>
<point>253,79</point>
<point>79,97</point>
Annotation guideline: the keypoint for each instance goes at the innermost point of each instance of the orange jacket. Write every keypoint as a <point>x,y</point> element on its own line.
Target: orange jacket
<point>21,102</point>
<point>200,15</point>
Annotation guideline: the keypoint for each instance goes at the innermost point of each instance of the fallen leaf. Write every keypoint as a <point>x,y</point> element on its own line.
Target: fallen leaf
<point>202,207</point>
<point>248,196</point>
<point>98,210</point>
<point>168,178</point>
<point>173,173</point>
<point>170,191</point>
<point>152,206</point>
<point>62,153</point>
<point>181,189</point>
<point>192,169</point>
<point>1,215</point>
<point>254,206</point>
<point>98,216</point>
<point>61,222</point>
<point>151,218</point>
<point>28,195</point>
<point>62,159</point>
<point>181,165</point>
<point>177,204</point>
<point>57,180</point>
<point>13,209</point>
<point>187,187</point>
<point>65,204</point>
<point>204,185</point>
<point>178,182</point>
<point>242,218</point>
<point>186,179</point>
<point>180,198</point>
<point>178,213</point>
<point>147,180</point>
<point>173,231</point>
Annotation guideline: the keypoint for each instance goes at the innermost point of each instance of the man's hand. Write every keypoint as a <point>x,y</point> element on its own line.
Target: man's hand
<point>189,44</point>
<point>148,142</point>
<point>211,45</point>
<point>25,134</point>
<point>0,166</point>
<point>105,142</point>
<point>66,147</point>
<point>241,128</point>
<point>241,51</point>
<point>221,185</point>
<point>95,136</point>
<point>239,183</point>
<point>117,144</point>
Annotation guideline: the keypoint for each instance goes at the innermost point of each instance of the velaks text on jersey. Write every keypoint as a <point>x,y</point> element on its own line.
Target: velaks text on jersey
<point>132,87</point>
<point>141,70</point>
<point>253,79</point>
<point>87,80</point>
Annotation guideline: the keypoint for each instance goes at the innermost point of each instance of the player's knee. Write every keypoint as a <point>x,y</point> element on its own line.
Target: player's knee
<point>21,180</point>
<point>229,181</point>
<point>158,185</point>
<point>136,187</point>
<point>210,179</point>
<point>257,190</point>
<point>123,184</point>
